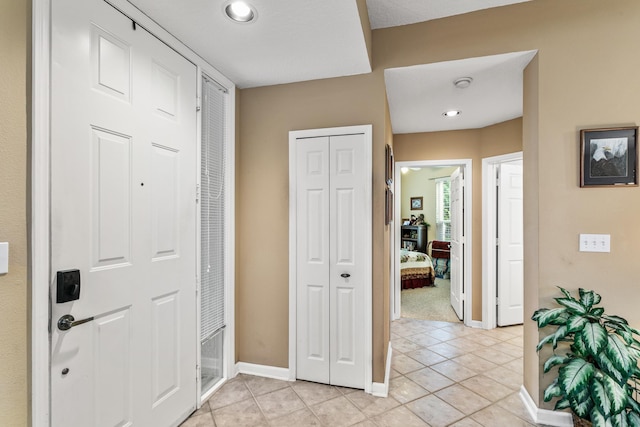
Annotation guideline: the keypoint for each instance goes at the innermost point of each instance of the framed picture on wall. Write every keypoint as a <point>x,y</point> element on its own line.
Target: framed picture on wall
<point>609,157</point>
<point>388,169</point>
<point>388,206</point>
<point>416,203</point>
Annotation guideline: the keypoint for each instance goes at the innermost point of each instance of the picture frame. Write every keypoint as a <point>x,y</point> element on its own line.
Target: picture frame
<point>388,169</point>
<point>416,203</point>
<point>388,206</point>
<point>609,157</point>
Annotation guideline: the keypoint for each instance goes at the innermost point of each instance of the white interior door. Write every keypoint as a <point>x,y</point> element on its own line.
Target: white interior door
<point>510,245</point>
<point>331,182</point>
<point>457,243</point>
<point>123,179</point>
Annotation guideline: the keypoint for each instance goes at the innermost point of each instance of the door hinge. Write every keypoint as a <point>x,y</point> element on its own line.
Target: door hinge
<point>198,103</point>
<point>497,301</point>
<point>497,242</point>
<point>197,193</point>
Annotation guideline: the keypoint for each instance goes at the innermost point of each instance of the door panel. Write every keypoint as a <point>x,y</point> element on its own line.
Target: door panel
<point>510,248</point>
<point>347,183</point>
<point>457,244</point>
<point>313,260</point>
<point>330,275</point>
<point>123,175</point>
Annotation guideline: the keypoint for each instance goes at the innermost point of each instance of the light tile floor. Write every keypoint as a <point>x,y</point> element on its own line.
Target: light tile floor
<point>443,374</point>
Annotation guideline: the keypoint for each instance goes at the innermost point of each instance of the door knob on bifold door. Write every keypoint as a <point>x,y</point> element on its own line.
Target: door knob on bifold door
<point>67,322</point>
<point>345,275</point>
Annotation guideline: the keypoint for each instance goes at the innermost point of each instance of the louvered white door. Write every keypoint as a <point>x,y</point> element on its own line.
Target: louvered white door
<point>457,244</point>
<point>331,183</point>
<point>123,161</point>
<point>510,246</point>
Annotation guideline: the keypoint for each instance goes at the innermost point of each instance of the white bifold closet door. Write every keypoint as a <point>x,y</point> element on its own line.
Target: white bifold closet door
<point>330,203</point>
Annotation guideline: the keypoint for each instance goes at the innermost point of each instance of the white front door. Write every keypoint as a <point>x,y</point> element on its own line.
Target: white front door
<point>123,213</point>
<point>457,243</point>
<point>510,245</point>
<point>331,207</point>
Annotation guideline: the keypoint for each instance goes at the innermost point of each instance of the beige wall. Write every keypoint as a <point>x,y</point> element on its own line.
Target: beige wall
<point>422,183</point>
<point>266,116</point>
<point>584,77</point>
<point>14,56</point>
<point>474,144</point>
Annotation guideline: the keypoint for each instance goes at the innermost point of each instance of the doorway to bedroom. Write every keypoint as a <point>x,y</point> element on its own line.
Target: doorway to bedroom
<point>429,251</point>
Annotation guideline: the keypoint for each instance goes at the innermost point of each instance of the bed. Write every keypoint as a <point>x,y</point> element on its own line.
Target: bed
<point>416,270</point>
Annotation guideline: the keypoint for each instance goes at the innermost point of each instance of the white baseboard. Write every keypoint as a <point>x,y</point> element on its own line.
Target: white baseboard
<point>475,324</point>
<point>263,371</point>
<point>382,389</point>
<point>545,416</point>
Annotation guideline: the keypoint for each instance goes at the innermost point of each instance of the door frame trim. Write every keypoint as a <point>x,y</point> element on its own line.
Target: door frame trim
<point>467,167</point>
<point>39,213</point>
<point>489,217</point>
<point>367,244</point>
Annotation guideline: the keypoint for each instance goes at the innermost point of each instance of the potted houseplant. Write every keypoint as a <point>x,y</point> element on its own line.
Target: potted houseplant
<point>598,372</point>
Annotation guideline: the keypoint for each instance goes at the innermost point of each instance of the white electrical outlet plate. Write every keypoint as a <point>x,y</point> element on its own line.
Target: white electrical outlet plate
<point>595,243</point>
<point>4,257</point>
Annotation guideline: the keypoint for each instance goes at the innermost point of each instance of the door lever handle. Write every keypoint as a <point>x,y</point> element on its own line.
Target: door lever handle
<point>345,275</point>
<point>67,322</point>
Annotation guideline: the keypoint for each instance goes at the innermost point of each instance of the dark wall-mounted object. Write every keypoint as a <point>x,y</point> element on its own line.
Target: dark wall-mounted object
<point>68,285</point>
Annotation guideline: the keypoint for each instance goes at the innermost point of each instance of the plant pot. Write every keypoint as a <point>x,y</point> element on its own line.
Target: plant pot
<point>580,422</point>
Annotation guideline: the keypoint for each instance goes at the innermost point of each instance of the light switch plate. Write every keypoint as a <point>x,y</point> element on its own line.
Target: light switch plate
<point>4,257</point>
<point>595,243</point>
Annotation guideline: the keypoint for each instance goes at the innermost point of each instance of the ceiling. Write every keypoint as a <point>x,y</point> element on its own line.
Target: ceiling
<point>300,40</point>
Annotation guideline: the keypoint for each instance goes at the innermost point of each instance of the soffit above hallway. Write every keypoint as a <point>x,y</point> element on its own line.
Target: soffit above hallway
<point>419,95</point>
<point>292,40</point>
<point>393,13</point>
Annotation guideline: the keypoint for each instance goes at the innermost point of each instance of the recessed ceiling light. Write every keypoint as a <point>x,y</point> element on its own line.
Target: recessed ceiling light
<point>240,11</point>
<point>452,113</point>
<point>462,82</point>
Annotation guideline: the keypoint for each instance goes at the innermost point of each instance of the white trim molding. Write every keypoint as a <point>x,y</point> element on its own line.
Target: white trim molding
<point>264,371</point>
<point>489,215</point>
<point>367,244</point>
<point>382,389</point>
<point>466,166</point>
<point>545,416</point>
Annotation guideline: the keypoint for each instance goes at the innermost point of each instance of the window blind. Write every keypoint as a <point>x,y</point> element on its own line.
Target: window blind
<point>212,196</point>
<point>443,218</point>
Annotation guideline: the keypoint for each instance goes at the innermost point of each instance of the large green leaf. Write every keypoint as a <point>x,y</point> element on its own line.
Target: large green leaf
<point>597,419</point>
<point>608,367</point>
<point>574,306</point>
<point>582,407</point>
<point>578,347</point>
<point>587,298</point>
<point>616,394</point>
<point>619,354</point>
<point>565,292</point>
<point>596,312</point>
<point>600,397</point>
<point>619,419</point>
<point>576,323</point>
<point>633,419</point>
<point>575,376</point>
<point>545,340</point>
<point>594,337</point>
<point>553,390</point>
<point>617,319</point>
<point>555,360</point>
<point>560,334</point>
<point>545,316</point>
<point>562,404</point>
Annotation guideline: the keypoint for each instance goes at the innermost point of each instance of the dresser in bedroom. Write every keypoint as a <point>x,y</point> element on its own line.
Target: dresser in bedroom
<point>414,238</point>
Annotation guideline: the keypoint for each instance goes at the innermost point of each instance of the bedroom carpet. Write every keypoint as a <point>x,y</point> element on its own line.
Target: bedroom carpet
<point>429,302</point>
